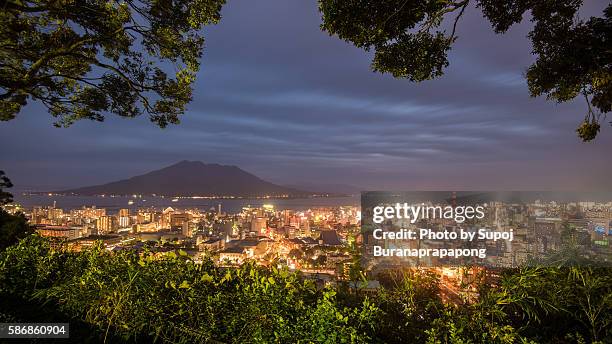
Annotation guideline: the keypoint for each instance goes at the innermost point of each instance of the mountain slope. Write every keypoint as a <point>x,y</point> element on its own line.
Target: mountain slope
<point>192,178</point>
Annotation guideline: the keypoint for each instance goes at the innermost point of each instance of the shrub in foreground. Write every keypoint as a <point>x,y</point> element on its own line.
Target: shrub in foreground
<point>142,297</point>
<point>173,299</point>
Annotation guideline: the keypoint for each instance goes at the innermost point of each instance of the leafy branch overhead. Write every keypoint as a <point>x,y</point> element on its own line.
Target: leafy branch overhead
<point>5,183</point>
<point>411,39</point>
<point>85,60</point>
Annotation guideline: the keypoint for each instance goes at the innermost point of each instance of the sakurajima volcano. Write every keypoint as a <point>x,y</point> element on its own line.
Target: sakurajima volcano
<point>192,179</point>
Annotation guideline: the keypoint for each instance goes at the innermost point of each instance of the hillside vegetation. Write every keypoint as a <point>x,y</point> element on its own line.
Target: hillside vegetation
<point>130,297</point>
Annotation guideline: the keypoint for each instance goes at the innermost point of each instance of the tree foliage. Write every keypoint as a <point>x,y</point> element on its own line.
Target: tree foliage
<point>411,39</point>
<point>171,299</point>
<point>141,297</point>
<point>12,227</point>
<point>5,183</point>
<point>85,60</point>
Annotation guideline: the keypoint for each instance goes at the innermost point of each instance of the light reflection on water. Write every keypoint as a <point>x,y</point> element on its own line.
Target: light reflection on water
<point>227,205</point>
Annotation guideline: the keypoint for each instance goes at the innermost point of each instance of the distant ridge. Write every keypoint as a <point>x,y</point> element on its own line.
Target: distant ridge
<point>332,189</point>
<point>192,178</point>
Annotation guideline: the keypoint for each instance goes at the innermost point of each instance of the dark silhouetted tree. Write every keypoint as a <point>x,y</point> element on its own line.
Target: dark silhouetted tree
<point>5,183</point>
<point>411,38</point>
<point>12,227</point>
<point>84,60</point>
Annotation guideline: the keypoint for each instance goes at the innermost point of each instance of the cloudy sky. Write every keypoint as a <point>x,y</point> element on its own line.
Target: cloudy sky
<point>283,100</point>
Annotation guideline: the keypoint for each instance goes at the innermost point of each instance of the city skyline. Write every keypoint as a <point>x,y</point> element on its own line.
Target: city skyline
<point>265,232</point>
<point>283,100</point>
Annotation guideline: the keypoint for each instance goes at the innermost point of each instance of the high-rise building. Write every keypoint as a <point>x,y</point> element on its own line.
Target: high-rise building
<point>187,229</point>
<point>107,224</point>
<point>166,217</point>
<point>55,213</point>
<point>38,213</point>
<point>287,216</point>
<point>124,221</point>
<point>178,220</point>
<point>145,216</point>
<point>305,227</point>
<point>259,225</point>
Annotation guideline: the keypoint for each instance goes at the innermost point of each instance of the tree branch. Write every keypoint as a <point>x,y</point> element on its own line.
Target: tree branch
<point>463,7</point>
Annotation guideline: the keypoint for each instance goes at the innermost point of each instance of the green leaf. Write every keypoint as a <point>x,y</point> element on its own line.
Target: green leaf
<point>206,278</point>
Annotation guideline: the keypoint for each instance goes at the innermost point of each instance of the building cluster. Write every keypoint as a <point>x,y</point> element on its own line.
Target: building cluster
<point>315,240</point>
<point>540,230</point>
<point>325,244</point>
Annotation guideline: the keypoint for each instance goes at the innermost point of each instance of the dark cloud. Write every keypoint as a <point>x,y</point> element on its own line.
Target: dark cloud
<point>285,101</point>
